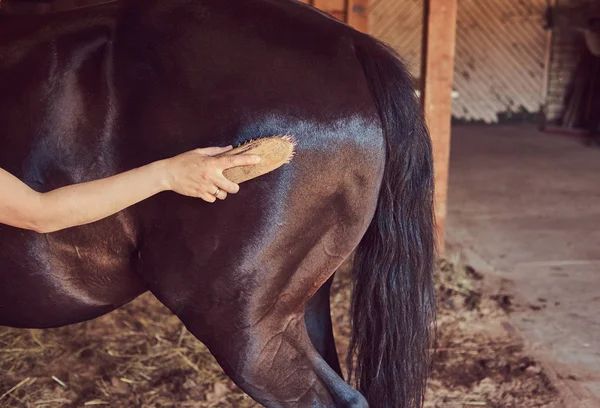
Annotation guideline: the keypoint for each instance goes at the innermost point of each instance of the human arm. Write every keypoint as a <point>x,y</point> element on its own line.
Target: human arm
<point>194,174</point>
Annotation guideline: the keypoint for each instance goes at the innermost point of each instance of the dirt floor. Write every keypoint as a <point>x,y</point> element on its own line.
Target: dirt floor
<point>523,206</point>
<point>141,356</point>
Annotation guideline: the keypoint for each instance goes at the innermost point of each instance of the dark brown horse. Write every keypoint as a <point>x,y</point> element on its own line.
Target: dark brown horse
<point>95,91</point>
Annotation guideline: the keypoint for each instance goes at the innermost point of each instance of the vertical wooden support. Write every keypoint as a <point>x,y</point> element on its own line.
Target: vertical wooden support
<point>353,12</point>
<point>357,14</point>
<point>439,38</point>
<point>336,8</point>
<point>546,78</point>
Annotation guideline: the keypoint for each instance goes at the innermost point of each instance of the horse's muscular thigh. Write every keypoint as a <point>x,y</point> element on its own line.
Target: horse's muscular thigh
<point>275,362</point>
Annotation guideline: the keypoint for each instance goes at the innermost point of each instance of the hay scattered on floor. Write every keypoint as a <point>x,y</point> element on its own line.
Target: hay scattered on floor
<point>480,361</point>
<point>141,356</point>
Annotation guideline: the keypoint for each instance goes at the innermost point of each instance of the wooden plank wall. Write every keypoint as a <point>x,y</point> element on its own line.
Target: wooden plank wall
<point>500,54</point>
<point>352,12</point>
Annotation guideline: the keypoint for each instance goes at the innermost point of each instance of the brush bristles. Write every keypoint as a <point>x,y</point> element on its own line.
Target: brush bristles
<point>290,139</point>
<point>287,138</point>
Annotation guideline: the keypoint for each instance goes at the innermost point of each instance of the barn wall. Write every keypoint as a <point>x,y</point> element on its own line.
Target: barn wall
<point>567,46</point>
<point>352,12</point>
<point>500,54</point>
<point>502,50</point>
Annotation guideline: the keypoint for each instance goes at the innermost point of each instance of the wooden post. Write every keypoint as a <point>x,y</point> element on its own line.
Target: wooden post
<point>439,37</point>
<point>336,8</point>
<point>357,14</point>
<point>353,12</point>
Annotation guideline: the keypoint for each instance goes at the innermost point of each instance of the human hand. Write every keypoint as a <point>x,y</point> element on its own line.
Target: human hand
<point>198,174</point>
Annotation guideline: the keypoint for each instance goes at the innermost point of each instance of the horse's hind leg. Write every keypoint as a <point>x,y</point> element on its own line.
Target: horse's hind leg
<point>248,307</point>
<point>275,363</point>
<point>320,330</point>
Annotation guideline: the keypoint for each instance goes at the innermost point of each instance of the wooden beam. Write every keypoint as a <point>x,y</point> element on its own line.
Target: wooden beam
<point>439,38</point>
<point>357,14</point>
<point>336,8</point>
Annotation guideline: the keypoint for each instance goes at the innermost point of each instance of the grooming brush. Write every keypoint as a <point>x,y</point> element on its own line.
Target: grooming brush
<point>274,152</point>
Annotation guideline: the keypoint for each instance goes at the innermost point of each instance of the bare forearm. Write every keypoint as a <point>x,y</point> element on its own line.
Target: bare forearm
<point>88,202</point>
<point>195,174</point>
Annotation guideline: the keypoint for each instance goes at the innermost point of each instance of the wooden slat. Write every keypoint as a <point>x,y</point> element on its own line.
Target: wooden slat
<point>336,8</point>
<point>439,37</point>
<point>357,14</point>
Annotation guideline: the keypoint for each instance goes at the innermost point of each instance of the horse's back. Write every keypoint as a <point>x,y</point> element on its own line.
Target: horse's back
<point>224,71</point>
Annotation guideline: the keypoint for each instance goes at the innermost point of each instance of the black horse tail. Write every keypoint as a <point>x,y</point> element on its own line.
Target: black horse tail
<point>393,303</point>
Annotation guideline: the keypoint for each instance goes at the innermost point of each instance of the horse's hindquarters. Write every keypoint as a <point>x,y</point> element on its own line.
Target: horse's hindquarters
<point>240,272</point>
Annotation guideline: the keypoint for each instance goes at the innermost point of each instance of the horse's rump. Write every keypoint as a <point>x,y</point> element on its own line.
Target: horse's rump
<point>220,72</point>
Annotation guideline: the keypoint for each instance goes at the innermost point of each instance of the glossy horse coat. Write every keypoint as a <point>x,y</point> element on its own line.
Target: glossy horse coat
<point>88,93</point>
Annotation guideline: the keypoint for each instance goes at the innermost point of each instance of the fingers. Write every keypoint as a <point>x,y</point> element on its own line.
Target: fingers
<point>215,193</point>
<point>224,184</point>
<point>209,198</point>
<point>236,161</point>
<point>202,176</point>
<point>222,195</point>
<point>213,151</point>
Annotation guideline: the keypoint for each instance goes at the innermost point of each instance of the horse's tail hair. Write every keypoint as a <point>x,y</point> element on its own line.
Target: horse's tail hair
<point>393,302</point>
